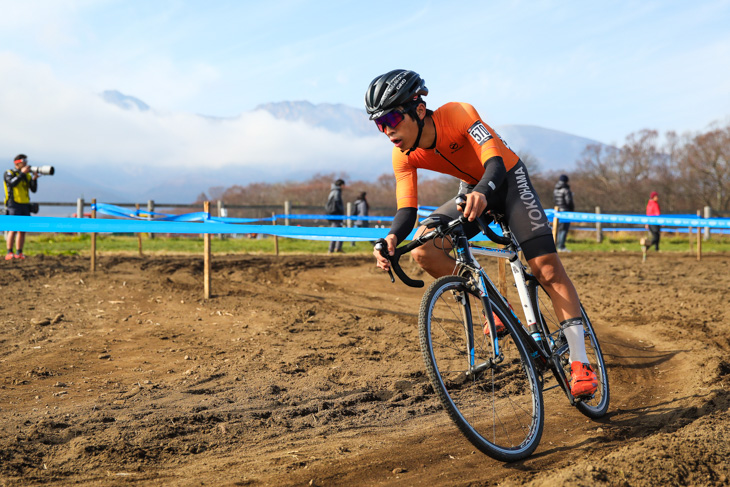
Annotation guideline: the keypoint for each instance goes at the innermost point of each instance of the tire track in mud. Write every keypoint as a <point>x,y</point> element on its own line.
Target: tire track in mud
<point>308,368</point>
<point>647,372</point>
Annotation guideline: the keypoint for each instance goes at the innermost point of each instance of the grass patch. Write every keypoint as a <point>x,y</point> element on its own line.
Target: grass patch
<point>68,244</point>
<point>64,244</point>
<point>629,242</point>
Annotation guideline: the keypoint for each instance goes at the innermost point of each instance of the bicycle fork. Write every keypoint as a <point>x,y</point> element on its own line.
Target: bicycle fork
<point>478,284</point>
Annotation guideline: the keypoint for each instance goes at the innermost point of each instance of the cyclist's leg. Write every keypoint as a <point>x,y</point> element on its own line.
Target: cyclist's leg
<point>528,223</point>
<point>554,279</point>
<point>434,257</point>
<point>551,274</point>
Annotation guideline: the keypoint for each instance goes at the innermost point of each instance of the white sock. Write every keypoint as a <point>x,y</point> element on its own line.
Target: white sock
<point>573,331</point>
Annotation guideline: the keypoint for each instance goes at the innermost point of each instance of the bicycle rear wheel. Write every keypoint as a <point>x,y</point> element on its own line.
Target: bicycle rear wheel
<point>596,406</point>
<point>500,408</point>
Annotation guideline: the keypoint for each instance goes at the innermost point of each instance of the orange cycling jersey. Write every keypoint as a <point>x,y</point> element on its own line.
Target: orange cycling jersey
<point>463,144</point>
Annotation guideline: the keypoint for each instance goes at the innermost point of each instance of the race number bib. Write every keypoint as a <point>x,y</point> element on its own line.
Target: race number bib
<point>479,132</point>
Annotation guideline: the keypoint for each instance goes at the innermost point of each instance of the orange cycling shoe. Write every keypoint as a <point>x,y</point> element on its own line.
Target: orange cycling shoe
<point>583,381</point>
<point>20,256</point>
<point>501,329</point>
<point>8,256</point>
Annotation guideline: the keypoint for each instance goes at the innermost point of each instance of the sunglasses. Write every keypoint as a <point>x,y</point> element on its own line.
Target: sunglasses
<point>390,119</point>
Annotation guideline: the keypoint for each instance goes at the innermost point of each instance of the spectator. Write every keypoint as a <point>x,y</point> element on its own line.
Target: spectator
<point>362,209</point>
<point>652,209</point>
<point>335,207</point>
<point>563,198</point>
<point>18,184</point>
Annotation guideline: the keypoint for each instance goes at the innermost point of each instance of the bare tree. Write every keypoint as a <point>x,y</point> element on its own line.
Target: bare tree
<point>705,167</point>
<point>689,171</point>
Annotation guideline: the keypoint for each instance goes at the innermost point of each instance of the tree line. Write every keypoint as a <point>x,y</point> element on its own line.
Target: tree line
<point>689,172</point>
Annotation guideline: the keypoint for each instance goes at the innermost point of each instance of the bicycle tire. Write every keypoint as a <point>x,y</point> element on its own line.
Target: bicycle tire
<point>500,410</point>
<point>596,406</point>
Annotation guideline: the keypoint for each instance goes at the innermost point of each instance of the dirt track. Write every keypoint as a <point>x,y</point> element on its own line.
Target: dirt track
<point>306,370</point>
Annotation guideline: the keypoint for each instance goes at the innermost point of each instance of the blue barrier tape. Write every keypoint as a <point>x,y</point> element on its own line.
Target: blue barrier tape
<point>673,220</point>
<point>335,217</point>
<point>642,229</point>
<point>117,211</point>
<point>94,225</point>
<point>193,225</point>
<point>667,220</point>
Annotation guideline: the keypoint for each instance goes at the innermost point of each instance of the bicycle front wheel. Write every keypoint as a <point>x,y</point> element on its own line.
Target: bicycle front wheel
<point>498,407</point>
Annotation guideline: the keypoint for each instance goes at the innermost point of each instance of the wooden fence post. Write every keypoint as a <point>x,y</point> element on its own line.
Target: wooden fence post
<point>93,237</point>
<point>276,237</point>
<point>287,211</point>
<point>599,231</point>
<point>555,224</point>
<point>206,255</point>
<point>708,215</point>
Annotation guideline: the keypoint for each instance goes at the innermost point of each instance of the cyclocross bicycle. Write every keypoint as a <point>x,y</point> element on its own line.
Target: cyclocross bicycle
<point>490,384</point>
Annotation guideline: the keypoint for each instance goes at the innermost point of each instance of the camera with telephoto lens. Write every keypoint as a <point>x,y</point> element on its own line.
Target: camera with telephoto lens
<point>45,170</point>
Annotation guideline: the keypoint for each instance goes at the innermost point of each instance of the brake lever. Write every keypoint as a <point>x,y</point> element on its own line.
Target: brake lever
<point>381,247</point>
<point>460,201</point>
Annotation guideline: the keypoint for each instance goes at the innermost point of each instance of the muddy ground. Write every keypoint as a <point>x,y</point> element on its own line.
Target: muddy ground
<point>306,370</point>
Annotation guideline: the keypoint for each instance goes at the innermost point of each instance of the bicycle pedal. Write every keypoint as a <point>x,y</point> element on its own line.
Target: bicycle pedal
<point>585,397</point>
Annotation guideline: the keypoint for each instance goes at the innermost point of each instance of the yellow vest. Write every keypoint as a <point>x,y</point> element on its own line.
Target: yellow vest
<point>21,190</point>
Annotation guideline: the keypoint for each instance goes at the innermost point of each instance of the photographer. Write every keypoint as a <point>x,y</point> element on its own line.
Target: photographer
<point>18,184</point>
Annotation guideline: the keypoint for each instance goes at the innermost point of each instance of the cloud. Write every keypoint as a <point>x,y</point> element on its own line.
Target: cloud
<point>50,120</point>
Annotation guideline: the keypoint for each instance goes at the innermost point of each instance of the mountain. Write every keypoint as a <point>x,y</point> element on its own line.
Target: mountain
<point>553,150</point>
<point>364,154</point>
<point>336,118</point>
<point>124,101</point>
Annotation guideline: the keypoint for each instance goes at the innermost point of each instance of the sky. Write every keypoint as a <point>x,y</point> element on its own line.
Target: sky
<point>600,70</point>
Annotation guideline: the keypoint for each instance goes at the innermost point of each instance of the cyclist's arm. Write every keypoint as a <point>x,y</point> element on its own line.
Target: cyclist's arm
<point>477,201</point>
<point>493,177</point>
<point>403,222</point>
<point>406,192</point>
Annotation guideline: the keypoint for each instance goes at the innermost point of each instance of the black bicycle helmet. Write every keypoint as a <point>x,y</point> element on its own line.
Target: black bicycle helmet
<point>387,92</point>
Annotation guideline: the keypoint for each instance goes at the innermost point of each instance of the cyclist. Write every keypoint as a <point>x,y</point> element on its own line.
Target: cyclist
<point>454,140</point>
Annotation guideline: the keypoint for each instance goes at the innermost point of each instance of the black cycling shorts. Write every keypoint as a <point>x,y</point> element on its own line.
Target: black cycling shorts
<point>19,209</point>
<point>517,200</point>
